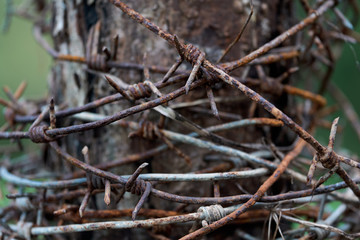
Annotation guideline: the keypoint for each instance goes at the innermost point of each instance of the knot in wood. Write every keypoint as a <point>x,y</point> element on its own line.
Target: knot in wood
<point>38,135</point>
<point>98,62</point>
<point>137,91</point>
<point>136,187</point>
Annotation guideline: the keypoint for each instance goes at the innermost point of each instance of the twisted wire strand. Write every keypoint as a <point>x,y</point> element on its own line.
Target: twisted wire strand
<point>98,62</point>
<point>191,53</point>
<point>96,181</point>
<point>212,213</point>
<point>137,91</point>
<point>137,187</point>
<point>38,134</point>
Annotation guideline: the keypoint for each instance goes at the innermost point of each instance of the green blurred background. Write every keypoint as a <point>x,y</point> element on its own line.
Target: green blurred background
<point>22,59</point>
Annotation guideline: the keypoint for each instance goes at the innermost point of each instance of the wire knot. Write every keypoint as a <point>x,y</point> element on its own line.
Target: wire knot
<point>38,135</point>
<point>98,62</point>
<point>95,60</point>
<point>191,53</point>
<point>96,181</point>
<point>136,187</point>
<point>327,159</point>
<point>137,91</point>
<point>212,213</point>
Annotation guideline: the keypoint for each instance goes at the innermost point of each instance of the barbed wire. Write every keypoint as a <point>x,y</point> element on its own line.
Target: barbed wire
<point>45,128</point>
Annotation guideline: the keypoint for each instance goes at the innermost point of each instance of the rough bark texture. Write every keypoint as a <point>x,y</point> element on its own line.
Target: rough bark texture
<point>210,25</point>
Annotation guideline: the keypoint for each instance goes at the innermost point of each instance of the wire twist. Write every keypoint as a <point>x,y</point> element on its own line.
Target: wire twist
<point>95,60</point>
<point>137,187</point>
<point>137,91</point>
<point>327,159</point>
<point>98,62</point>
<point>96,181</point>
<point>212,213</point>
<point>38,135</point>
<point>191,53</point>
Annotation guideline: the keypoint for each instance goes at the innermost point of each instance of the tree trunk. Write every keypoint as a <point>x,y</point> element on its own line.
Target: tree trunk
<point>210,25</point>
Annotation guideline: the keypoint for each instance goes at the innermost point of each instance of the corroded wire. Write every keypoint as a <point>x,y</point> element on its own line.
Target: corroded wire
<point>99,181</point>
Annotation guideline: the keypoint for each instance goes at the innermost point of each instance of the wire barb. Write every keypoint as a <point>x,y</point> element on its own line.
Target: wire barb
<point>94,60</point>
<point>329,160</point>
<point>212,214</point>
<point>138,187</point>
<point>191,54</point>
<point>100,179</point>
<point>38,135</point>
<point>133,92</point>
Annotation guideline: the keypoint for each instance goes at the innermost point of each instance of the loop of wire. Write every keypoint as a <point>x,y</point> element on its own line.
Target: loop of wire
<point>212,213</point>
<point>137,187</point>
<point>96,181</point>
<point>191,53</point>
<point>98,62</point>
<point>137,91</point>
<point>327,160</point>
<point>38,135</point>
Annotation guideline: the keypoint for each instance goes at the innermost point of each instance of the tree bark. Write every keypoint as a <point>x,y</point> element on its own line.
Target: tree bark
<point>210,25</point>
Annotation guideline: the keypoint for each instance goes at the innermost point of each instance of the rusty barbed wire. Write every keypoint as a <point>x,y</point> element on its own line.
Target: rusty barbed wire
<point>47,127</point>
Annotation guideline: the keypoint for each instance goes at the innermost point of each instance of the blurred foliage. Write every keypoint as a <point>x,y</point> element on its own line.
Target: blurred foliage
<point>347,77</point>
<point>21,58</point>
